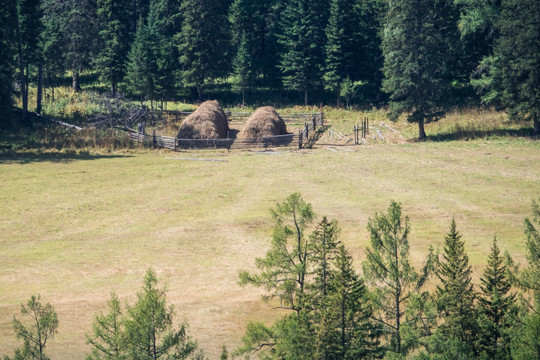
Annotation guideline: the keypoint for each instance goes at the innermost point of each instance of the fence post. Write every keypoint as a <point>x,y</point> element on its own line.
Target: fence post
<point>307,130</point>
<point>322,118</point>
<point>314,123</point>
<point>367,124</point>
<point>154,144</point>
<point>299,139</point>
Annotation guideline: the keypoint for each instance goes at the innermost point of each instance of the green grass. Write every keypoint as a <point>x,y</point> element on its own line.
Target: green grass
<point>75,227</point>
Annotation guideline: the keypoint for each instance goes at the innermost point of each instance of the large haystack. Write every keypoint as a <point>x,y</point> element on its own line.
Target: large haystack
<point>265,121</point>
<point>207,122</point>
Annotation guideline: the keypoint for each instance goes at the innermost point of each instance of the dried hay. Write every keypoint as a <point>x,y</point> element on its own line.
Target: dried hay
<point>265,121</point>
<point>207,122</point>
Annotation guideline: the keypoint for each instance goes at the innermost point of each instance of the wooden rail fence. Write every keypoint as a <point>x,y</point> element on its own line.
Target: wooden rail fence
<point>300,140</point>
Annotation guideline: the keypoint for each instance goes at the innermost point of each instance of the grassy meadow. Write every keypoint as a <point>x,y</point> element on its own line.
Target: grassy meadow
<point>75,226</point>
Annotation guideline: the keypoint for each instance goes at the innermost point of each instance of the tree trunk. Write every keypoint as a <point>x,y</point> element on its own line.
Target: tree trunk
<point>21,69</point>
<point>200,92</point>
<point>243,97</point>
<point>421,131</point>
<point>305,97</point>
<point>75,82</point>
<point>338,101</point>
<point>40,88</point>
<point>536,124</point>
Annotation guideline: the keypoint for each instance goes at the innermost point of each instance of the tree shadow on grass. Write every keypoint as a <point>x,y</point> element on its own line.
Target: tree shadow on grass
<point>62,158</point>
<point>470,134</point>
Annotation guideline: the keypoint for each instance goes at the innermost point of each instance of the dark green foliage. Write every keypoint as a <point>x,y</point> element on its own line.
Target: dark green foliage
<point>416,60</point>
<point>42,327</point>
<point>203,43</point>
<point>455,295</point>
<point>81,36</point>
<point>115,34</point>
<point>243,66</point>
<point>151,66</point>
<point>302,45</point>
<point>344,329</point>
<point>515,65</point>
<point>387,269</point>
<point>497,307</point>
<point>108,340</point>
<point>530,277</point>
<point>7,56</point>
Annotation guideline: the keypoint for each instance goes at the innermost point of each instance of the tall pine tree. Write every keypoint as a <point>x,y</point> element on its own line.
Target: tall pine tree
<point>416,58</point>
<point>515,70</point>
<point>455,295</point>
<point>393,280</point>
<point>7,55</point>
<point>497,307</point>
<point>203,43</point>
<point>115,35</point>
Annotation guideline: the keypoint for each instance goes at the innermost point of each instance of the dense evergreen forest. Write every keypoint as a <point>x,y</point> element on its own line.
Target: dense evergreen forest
<point>419,57</point>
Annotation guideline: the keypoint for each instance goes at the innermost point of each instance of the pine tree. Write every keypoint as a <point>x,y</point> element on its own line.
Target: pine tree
<point>348,332</point>
<point>114,23</point>
<point>303,46</point>
<point>81,36</point>
<point>108,339</point>
<point>7,54</point>
<point>516,57</point>
<point>203,43</point>
<point>243,68</point>
<point>342,46</point>
<point>497,306</point>
<point>387,269</point>
<point>28,26</point>
<point>149,326</point>
<point>455,295</point>
<point>284,269</point>
<point>53,41</point>
<point>141,65</point>
<point>416,56</point>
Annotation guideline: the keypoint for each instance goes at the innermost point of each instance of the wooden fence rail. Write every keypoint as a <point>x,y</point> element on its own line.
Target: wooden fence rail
<point>303,139</point>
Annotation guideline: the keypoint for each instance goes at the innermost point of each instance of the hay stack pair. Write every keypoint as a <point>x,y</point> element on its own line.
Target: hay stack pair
<point>209,122</point>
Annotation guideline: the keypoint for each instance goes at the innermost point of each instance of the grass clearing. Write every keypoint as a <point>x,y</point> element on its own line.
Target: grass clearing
<point>76,227</point>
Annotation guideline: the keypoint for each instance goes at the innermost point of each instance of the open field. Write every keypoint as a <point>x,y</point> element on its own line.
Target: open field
<point>76,227</point>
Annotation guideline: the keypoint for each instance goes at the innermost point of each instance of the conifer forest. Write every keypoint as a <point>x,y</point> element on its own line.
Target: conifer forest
<point>414,60</point>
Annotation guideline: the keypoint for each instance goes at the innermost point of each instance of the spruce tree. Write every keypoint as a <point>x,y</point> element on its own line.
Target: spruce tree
<point>203,43</point>
<point>416,57</point>
<point>388,271</point>
<point>115,35</point>
<point>81,37</point>
<point>340,35</point>
<point>516,57</point>
<point>243,68</point>
<point>455,295</point>
<point>53,41</point>
<point>7,55</point>
<point>346,314</point>
<point>302,46</point>
<point>108,339</point>
<point>497,307</point>
<point>141,65</point>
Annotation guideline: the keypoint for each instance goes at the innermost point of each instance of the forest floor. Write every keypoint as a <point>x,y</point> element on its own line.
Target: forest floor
<point>76,226</point>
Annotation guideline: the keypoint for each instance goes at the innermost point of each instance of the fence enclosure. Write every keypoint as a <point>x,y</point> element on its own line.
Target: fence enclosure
<point>300,140</point>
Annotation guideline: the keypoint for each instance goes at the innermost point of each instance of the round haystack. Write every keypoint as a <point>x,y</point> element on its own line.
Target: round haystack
<point>207,122</point>
<point>264,122</point>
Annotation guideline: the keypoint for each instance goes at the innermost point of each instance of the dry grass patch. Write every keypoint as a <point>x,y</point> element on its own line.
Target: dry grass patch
<point>76,228</point>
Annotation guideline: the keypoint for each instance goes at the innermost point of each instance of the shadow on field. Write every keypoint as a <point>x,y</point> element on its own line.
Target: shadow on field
<point>29,158</point>
<point>469,134</point>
